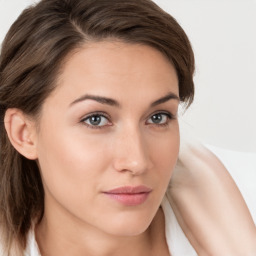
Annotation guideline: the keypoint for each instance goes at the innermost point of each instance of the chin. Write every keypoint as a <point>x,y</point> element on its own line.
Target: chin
<point>129,225</point>
<point>129,231</point>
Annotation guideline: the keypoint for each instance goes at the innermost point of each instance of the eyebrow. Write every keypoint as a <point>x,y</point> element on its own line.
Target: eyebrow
<point>169,96</point>
<point>100,99</point>
<point>112,102</point>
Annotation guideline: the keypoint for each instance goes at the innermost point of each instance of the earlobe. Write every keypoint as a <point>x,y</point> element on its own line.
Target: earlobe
<point>21,132</point>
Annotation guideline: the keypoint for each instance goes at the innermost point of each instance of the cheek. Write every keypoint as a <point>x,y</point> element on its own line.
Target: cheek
<point>76,165</point>
<point>70,165</point>
<point>165,150</point>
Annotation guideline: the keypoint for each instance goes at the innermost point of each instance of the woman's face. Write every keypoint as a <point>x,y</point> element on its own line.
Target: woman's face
<point>109,137</point>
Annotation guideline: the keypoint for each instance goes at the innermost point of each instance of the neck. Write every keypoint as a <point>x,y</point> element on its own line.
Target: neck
<point>78,239</point>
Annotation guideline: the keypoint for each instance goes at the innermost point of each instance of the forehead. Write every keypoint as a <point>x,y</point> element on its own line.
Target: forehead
<point>116,69</point>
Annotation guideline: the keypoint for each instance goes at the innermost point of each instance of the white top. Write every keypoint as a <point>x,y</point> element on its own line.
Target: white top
<point>176,240</point>
<point>32,248</point>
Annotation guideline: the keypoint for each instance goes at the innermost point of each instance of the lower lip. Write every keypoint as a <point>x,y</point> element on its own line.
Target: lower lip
<point>129,199</point>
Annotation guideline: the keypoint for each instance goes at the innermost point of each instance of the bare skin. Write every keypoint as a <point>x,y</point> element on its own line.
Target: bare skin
<point>198,206</point>
<point>133,150</point>
<point>150,243</point>
<point>110,123</point>
<point>209,206</point>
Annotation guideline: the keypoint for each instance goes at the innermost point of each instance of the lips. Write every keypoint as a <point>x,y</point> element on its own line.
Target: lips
<point>129,195</point>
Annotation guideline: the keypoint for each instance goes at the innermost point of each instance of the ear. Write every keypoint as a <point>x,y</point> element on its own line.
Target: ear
<point>21,132</point>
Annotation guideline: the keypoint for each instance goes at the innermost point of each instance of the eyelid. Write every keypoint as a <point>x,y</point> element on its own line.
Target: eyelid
<point>168,114</point>
<point>97,113</point>
<point>164,112</point>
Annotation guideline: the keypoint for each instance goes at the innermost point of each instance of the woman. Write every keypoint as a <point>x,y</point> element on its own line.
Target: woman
<point>89,97</point>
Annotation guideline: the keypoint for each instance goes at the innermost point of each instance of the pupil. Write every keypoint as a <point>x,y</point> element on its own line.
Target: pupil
<point>95,120</point>
<point>157,118</point>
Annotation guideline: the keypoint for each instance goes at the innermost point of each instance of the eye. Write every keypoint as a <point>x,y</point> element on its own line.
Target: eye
<point>95,121</point>
<point>160,119</point>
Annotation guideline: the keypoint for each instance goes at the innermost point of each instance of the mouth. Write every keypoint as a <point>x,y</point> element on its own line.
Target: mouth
<point>128,195</point>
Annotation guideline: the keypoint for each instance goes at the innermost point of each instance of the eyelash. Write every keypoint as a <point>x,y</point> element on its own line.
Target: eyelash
<point>102,114</point>
<point>167,114</point>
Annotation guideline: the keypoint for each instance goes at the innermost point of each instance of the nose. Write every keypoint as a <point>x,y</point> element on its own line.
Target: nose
<point>131,153</point>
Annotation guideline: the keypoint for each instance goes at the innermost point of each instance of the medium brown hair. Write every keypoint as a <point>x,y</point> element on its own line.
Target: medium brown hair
<point>31,57</point>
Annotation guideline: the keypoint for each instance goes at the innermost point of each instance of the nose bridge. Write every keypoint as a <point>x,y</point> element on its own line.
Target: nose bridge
<point>131,151</point>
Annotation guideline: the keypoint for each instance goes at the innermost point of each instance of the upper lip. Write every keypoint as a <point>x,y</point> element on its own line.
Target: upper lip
<point>129,190</point>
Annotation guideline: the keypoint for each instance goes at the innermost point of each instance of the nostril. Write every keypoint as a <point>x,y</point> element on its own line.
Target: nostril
<point>132,166</point>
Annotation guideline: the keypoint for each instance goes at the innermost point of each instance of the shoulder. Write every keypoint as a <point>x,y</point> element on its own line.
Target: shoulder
<point>209,206</point>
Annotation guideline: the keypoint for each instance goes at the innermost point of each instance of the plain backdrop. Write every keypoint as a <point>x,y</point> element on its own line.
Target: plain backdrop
<point>223,36</point>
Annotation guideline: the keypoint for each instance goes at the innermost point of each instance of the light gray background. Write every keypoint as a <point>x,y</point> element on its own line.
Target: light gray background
<point>223,35</point>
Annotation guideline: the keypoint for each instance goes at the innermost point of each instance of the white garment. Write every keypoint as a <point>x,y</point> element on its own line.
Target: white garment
<point>176,240</point>
<point>32,248</point>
